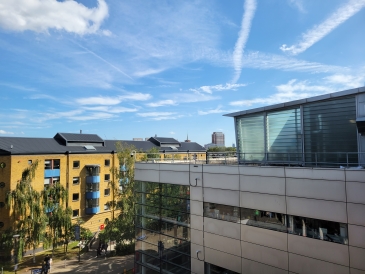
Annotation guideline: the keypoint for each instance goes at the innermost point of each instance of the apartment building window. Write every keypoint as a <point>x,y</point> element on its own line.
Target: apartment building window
<point>107,162</point>
<point>75,213</point>
<point>30,162</point>
<point>75,196</point>
<point>76,180</point>
<point>76,164</point>
<point>222,212</point>
<point>106,177</point>
<point>107,192</point>
<point>50,163</point>
<point>106,207</point>
<point>92,187</point>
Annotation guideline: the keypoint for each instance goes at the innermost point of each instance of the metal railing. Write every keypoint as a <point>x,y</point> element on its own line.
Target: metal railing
<point>313,159</point>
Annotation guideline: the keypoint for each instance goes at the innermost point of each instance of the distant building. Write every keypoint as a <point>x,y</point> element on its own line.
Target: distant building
<point>218,138</point>
<point>187,139</point>
<point>137,139</point>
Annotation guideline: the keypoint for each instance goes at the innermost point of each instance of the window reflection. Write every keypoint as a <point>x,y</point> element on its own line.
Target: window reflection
<point>263,219</point>
<point>222,212</point>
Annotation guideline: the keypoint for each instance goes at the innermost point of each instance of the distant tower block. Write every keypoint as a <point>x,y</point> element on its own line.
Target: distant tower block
<point>218,138</point>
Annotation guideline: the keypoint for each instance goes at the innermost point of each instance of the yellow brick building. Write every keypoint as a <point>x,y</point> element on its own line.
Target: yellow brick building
<point>82,163</point>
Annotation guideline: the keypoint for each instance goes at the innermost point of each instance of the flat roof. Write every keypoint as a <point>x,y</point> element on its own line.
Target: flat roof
<point>299,102</point>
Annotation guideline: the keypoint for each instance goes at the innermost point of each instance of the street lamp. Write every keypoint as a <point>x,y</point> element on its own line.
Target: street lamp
<point>16,237</point>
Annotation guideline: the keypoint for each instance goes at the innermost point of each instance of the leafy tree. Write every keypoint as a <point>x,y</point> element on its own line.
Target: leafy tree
<point>30,218</point>
<point>59,222</point>
<point>153,153</point>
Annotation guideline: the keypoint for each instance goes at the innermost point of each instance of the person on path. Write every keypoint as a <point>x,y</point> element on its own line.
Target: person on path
<point>46,265</point>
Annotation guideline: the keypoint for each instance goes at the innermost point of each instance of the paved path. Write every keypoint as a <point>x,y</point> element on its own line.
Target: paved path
<point>91,264</point>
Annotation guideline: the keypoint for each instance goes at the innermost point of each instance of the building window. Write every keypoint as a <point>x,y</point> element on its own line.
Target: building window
<point>107,192</point>
<point>50,163</point>
<point>222,212</point>
<point>76,180</point>
<point>107,162</point>
<point>106,177</point>
<point>76,164</point>
<point>75,196</point>
<point>106,207</point>
<point>75,213</point>
<point>30,162</point>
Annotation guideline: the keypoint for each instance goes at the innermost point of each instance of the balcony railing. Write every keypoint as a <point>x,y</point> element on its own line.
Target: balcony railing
<point>314,159</point>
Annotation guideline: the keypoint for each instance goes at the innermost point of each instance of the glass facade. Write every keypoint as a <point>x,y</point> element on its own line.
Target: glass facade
<point>301,226</point>
<point>251,137</point>
<point>322,133</point>
<point>162,228</point>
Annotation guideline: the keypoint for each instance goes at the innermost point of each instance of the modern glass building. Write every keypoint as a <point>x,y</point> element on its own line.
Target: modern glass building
<point>293,203</point>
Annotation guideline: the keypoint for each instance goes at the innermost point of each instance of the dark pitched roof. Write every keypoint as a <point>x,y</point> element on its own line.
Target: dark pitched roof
<point>75,138</point>
<point>38,146</point>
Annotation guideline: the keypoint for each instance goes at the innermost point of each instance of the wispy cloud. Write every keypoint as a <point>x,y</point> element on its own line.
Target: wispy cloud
<point>346,81</point>
<point>147,72</point>
<point>105,100</point>
<point>249,7</point>
<point>162,103</point>
<point>298,4</point>
<point>19,87</point>
<point>6,132</point>
<point>109,109</point>
<point>210,89</point>
<point>260,60</point>
<point>158,116</point>
<point>40,16</point>
<point>293,90</point>
<point>212,111</point>
<point>315,34</point>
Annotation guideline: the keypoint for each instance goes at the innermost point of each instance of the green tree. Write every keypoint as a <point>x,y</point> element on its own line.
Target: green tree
<point>29,215</point>
<point>59,221</point>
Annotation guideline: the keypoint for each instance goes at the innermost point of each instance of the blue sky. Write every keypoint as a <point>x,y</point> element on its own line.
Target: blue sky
<point>133,68</point>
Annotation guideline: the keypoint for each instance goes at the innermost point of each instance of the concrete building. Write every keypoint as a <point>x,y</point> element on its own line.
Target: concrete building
<point>218,139</point>
<point>294,202</point>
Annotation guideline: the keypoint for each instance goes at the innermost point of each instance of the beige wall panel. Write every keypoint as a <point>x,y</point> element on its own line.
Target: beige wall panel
<point>174,177</point>
<point>355,192</point>
<point>269,185</point>
<point>224,197</point>
<point>265,237</point>
<point>274,203</point>
<point>222,259</point>
<point>252,267</point>
<point>316,189</point>
<point>262,171</point>
<point>197,267</point>
<point>221,181</point>
<point>357,257</point>
<point>356,271</point>
<point>265,255</point>
<point>196,208</point>
<point>196,179</point>
<point>221,243</point>
<point>147,175</point>
<point>194,249</point>
<point>329,174</point>
<point>356,214</point>
<point>223,228</point>
<point>196,236</point>
<point>196,193</point>
<point>173,167</point>
<point>321,250</point>
<point>196,222</point>
<point>355,175</point>
<point>221,169</point>
<point>356,235</point>
<point>317,209</point>
<point>304,265</point>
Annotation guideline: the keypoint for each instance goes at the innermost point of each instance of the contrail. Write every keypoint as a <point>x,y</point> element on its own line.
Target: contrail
<point>249,7</point>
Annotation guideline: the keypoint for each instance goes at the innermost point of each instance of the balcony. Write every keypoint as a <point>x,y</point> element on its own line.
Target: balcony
<point>51,173</point>
<point>92,179</point>
<point>92,210</point>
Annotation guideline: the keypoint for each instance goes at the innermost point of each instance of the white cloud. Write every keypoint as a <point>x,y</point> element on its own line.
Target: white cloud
<point>172,133</point>
<point>19,87</point>
<point>155,114</point>
<point>293,90</point>
<point>259,60</point>
<point>105,100</point>
<point>210,89</point>
<point>315,34</point>
<point>43,15</point>
<point>298,4</point>
<point>212,111</point>
<point>6,132</point>
<point>147,72</point>
<point>162,103</point>
<point>250,7</point>
<point>346,81</point>
<point>111,109</point>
